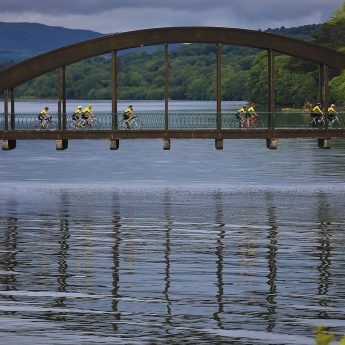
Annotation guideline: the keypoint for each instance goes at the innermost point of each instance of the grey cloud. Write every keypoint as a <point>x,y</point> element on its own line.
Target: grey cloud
<point>251,8</point>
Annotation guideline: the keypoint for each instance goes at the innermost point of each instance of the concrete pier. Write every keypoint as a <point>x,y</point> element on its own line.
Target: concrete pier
<point>219,144</point>
<point>61,144</point>
<point>271,143</point>
<point>166,144</point>
<point>114,144</point>
<point>9,145</point>
<point>324,143</point>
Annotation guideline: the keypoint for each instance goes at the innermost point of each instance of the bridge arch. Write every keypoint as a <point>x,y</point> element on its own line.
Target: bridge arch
<point>70,54</point>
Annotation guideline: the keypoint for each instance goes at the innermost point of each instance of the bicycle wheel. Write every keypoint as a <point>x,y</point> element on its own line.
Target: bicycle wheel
<point>258,124</point>
<point>95,125</point>
<point>36,124</point>
<point>123,125</point>
<point>136,124</point>
<point>234,124</point>
<point>51,125</point>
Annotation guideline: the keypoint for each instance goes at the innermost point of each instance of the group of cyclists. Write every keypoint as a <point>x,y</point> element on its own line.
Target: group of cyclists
<point>318,116</point>
<point>83,117</point>
<point>80,116</point>
<point>247,116</point>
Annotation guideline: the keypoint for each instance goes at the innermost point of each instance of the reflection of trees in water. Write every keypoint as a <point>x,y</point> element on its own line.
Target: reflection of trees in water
<point>116,261</point>
<point>8,243</point>
<point>324,250</point>
<point>272,263</point>
<point>219,258</point>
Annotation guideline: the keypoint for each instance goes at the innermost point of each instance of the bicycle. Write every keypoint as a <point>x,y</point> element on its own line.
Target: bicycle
<point>48,124</point>
<point>317,121</point>
<point>88,123</point>
<point>134,123</point>
<point>250,122</point>
<point>334,120</point>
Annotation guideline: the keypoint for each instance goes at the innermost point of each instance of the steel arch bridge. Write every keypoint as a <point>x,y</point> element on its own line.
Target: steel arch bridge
<point>58,59</point>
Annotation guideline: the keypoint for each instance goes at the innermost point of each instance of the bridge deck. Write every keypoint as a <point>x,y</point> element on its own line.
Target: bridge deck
<point>174,134</point>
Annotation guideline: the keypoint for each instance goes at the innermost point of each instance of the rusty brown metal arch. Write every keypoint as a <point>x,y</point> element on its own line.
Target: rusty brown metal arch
<point>70,54</point>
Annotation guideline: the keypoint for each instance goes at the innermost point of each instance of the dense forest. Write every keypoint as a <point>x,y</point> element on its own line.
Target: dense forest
<point>192,72</point>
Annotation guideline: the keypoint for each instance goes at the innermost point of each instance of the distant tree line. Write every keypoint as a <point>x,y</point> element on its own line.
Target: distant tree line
<point>192,73</point>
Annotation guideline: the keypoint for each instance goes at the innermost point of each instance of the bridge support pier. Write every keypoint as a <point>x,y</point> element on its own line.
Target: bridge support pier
<point>61,144</point>
<point>9,145</point>
<point>114,144</point>
<point>324,143</point>
<point>219,144</point>
<point>166,144</point>
<point>271,143</point>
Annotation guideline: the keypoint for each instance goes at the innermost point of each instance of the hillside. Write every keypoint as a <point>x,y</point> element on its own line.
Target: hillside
<point>19,41</point>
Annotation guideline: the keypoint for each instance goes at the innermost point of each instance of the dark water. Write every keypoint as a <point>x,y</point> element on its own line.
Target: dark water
<point>187,246</point>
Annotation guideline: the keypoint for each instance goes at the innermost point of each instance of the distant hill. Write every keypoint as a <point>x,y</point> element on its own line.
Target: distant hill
<point>304,32</point>
<point>19,41</point>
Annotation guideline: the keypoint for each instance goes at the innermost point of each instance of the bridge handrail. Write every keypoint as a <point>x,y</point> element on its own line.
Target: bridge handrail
<point>184,120</point>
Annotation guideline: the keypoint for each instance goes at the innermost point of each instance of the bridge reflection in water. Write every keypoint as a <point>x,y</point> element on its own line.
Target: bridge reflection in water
<point>181,125</point>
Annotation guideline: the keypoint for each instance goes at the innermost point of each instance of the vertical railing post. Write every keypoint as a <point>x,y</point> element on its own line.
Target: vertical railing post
<point>324,90</point>
<point>271,88</point>
<point>218,87</point>
<point>166,86</point>
<point>59,96</point>
<point>166,144</point>
<point>61,144</point>
<point>61,86</point>
<point>114,124</point>
<point>114,142</point>
<point>13,118</point>
<point>6,109</point>
<point>219,140</point>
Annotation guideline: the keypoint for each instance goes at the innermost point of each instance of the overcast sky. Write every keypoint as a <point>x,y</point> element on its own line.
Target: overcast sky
<point>110,16</point>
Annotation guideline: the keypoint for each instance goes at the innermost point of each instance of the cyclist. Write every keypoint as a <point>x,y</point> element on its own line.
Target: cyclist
<point>44,116</point>
<point>77,115</point>
<point>251,115</point>
<point>332,114</point>
<point>239,115</point>
<point>128,115</point>
<point>316,114</point>
<point>87,115</point>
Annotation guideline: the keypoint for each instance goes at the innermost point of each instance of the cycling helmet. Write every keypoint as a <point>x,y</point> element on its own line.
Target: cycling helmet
<point>332,105</point>
<point>80,107</point>
<point>90,105</point>
<point>46,108</point>
<point>130,106</point>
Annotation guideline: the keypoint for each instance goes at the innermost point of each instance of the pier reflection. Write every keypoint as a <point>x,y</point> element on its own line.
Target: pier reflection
<point>116,237</point>
<point>219,221</point>
<point>8,254</point>
<point>272,245</point>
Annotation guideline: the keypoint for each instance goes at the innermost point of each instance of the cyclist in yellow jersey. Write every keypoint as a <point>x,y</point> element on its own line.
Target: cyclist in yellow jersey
<point>86,114</point>
<point>77,114</point>
<point>332,113</point>
<point>44,116</point>
<point>239,115</point>
<point>317,112</point>
<point>128,115</point>
<point>250,114</point>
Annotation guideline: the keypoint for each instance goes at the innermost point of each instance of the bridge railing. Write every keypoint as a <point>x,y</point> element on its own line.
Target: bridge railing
<point>183,120</point>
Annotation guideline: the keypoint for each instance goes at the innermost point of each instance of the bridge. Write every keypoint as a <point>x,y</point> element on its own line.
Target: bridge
<point>168,125</point>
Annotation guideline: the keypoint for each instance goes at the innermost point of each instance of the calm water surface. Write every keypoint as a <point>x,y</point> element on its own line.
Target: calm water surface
<point>187,246</point>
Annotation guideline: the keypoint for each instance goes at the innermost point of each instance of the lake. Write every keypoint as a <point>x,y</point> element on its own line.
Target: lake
<point>187,246</point>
